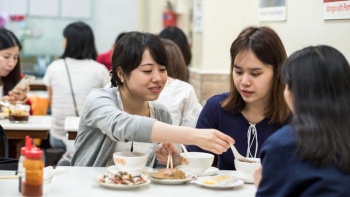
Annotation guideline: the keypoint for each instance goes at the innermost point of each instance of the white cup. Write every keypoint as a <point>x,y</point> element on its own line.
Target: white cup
<point>196,161</point>
<point>130,161</point>
<point>246,169</point>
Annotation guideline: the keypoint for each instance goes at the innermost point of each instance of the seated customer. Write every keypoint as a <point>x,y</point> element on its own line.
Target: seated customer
<point>310,156</point>
<point>10,69</point>
<point>254,108</point>
<point>123,118</point>
<point>179,96</point>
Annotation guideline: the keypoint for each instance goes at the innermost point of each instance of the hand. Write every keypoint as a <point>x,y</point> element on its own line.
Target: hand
<point>212,140</point>
<point>257,176</point>
<point>18,94</point>
<point>164,149</point>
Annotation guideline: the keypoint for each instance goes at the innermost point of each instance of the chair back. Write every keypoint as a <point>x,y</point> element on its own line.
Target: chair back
<point>4,146</point>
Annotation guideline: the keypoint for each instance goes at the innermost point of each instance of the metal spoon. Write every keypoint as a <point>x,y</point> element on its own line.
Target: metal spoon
<point>241,158</point>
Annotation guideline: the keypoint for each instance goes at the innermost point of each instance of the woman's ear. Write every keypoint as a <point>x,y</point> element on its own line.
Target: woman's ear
<point>120,74</point>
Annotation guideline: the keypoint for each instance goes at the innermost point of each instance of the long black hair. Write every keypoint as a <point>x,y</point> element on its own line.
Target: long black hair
<point>319,80</point>
<point>8,40</point>
<point>80,42</point>
<point>128,52</point>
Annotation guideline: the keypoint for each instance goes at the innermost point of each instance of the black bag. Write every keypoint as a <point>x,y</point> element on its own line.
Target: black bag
<point>8,164</point>
<point>5,162</point>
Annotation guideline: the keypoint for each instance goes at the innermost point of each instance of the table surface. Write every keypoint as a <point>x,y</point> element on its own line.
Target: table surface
<point>79,181</point>
<point>34,123</point>
<point>71,123</point>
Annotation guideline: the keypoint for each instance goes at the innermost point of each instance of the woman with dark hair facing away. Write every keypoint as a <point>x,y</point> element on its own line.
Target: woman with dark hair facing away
<point>75,73</point>
<point>124,118</point>
<point>254,108</point>
<point>176,35</point>
<point>179,96</point>
<point>10,68</point>
<point>310,156</point>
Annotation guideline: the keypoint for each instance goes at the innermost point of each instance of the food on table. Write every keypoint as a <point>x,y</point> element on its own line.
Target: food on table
<point>19,113</point>
<point>169,173</point>
<point>220,179</point>
<point>123,178</point>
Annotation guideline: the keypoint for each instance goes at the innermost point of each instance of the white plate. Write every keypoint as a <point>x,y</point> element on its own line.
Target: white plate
<point>245,179</point>
<point>120,186</point>
<point>114,169</point>
<point>235,182</point>
<point>172,181</point>
<point>208,172</point>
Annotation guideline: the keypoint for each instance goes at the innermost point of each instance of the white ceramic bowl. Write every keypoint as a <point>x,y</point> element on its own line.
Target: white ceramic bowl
<point>130,161</point>
<point>246,169</point>
<point>196,161</point>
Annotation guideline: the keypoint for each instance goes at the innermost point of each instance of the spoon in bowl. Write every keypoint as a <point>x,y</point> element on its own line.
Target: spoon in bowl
<point>184,149</point>
<point>241,158</point>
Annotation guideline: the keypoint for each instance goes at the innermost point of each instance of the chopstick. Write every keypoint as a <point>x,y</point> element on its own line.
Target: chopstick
<point>170,161</point>
<point>9,177</point>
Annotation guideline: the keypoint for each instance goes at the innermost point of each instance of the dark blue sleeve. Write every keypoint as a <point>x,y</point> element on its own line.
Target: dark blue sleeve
<point>205,120</point>
<point>277,172</point>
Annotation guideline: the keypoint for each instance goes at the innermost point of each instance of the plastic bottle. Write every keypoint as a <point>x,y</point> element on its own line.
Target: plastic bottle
<point>33,168</point>
<point>28,145</point>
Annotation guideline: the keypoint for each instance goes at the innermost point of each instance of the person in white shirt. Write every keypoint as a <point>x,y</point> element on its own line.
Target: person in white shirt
<point>179,96</point>
<point>85,74</point>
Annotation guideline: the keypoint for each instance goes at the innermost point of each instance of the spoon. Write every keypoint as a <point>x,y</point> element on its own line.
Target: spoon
<point>241,158</point>
<point>184,149</point>
<point>6,104</point>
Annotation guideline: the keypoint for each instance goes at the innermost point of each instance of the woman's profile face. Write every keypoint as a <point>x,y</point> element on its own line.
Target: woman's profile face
<point>147,80</point>
<point>8,60</point>
<point>64,43</point>
<point>252,78</point>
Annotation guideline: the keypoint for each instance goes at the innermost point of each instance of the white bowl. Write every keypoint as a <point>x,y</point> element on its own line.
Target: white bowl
<point>246,169</point>
<point>196,161</point>
<point>130,161</point>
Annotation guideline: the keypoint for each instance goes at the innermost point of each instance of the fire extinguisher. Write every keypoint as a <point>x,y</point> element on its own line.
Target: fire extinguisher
<point>169,16</point>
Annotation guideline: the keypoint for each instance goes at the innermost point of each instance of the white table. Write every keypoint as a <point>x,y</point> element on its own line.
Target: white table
<point>78,181</point>
<point>71,125</point>
<point>36,127</point>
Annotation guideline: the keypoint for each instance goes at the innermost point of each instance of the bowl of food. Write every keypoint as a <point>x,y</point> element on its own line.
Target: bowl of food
<point>246,169</point>
<point>19,113</point>
<point>196,161</point>
<point>130,161</point>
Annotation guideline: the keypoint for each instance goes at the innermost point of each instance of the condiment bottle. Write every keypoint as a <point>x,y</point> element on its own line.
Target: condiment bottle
<point>28,145</point>
<point>33,167</point>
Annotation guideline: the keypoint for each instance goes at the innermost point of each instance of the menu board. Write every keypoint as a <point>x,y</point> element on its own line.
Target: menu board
<point>44,8</point>
<point>13,7</point>
<point>76,8</point>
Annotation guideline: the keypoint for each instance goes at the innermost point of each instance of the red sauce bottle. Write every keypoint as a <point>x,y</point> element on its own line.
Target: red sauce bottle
<point>33,168</point>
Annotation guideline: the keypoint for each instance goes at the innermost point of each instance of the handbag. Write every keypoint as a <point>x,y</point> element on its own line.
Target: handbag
<point>71,89</point>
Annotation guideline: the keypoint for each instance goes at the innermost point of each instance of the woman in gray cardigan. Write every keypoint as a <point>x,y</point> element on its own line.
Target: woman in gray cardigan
<point>123,118</point>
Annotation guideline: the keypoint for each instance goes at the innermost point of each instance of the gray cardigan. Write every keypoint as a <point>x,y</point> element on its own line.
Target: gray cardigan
<point>103,123</point>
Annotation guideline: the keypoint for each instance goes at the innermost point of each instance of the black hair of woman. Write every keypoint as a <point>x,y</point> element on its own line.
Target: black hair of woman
<point>7,40</point>
<point>318,79</point>
<point>128,53</point>
<point>80,41</point>
<point>176,35</point>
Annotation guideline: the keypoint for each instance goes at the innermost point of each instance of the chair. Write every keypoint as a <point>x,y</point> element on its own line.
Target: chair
<point>5,162</point>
